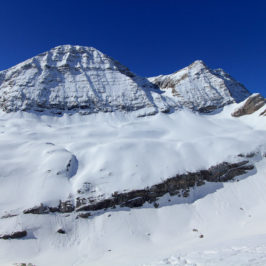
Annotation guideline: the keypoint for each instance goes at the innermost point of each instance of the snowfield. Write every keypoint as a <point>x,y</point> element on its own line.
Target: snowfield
<point>47,158</point>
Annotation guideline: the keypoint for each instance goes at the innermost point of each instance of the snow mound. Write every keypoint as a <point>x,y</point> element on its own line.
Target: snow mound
<point>60,162</point>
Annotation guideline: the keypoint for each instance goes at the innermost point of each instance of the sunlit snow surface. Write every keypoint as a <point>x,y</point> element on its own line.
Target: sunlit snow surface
<point>116,152</point>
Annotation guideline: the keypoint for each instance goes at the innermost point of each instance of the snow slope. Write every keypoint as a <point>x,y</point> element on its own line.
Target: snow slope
<point>114,152</point>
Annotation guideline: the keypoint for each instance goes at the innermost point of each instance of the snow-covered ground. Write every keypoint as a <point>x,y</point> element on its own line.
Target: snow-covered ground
<point>46,158</point>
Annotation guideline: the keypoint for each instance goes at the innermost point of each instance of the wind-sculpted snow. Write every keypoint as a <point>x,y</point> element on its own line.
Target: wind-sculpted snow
<point>82,79</point>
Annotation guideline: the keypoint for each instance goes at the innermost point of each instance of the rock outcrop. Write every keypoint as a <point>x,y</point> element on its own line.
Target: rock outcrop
<point>14,235</point>
<point>263,113</point>
<point>251,105</point>
<point>177,185</point>
<point>37,210</point>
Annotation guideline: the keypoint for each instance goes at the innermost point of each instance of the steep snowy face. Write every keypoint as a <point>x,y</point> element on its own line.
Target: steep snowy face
<point>200,88</point>
<point>73,77</point>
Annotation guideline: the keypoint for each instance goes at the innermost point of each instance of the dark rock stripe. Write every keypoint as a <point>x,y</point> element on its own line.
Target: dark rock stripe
<point>220,173</point>
<point>136,198</point>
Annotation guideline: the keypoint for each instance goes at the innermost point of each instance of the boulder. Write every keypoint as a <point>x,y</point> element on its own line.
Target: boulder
<point>37,210</point>
<point>61,231</point>
<point>14,235</point>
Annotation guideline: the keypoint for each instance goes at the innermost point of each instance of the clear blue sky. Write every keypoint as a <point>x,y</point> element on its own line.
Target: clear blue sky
<point>150,37</point>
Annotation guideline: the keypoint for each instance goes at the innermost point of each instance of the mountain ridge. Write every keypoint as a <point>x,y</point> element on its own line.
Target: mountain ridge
<point>82,79</point>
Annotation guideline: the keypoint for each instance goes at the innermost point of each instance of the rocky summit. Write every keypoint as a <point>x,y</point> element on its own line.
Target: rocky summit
<point>82,79</point>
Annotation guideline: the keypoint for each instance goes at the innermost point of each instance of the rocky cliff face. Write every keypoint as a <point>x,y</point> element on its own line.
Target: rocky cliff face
<point>82,79</point>
<point>251,105</point>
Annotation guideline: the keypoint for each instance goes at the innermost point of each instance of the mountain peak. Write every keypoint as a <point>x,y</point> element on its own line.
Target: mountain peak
<point>197,66</point>
<point>198,63</point>
<point>73,54</point>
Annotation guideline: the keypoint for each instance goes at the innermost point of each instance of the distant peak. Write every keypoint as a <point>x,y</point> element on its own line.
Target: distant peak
<point>196,65</point>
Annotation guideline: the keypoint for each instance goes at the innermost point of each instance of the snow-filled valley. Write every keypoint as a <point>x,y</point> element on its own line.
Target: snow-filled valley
<point>102,167</point>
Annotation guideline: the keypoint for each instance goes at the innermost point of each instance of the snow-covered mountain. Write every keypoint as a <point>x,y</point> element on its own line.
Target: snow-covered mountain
<point>145,179</point>
<point>82,79</point>
<point>200,88</point>
<point>73,77</point>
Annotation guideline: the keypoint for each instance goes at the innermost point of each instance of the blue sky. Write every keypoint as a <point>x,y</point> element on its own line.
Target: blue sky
<point>151,37</point>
